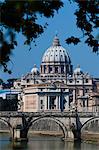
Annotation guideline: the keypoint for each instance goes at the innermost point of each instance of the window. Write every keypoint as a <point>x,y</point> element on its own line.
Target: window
<point>56,69</point>
<point>86,80</point>
<point>86,90</point>
<point>18,84</point>
<point>61,58</point>
<point>77,91</point>
<point>44,68</point>
<point>42,104</point>
<point>70,81</point>
<point>41,101</point>
<point>83,103</point>
<point>70,91</point>
<point>27,80</point>
<point>67,68</point>
<point>41,107</point>
<point>50,69</point>
<point>62,69</point>
<point>52,102</point>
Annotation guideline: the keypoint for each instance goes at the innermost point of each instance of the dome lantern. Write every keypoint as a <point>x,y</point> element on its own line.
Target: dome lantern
<point>56,41</point>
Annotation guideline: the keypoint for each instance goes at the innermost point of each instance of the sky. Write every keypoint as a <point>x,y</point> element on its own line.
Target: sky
<point>64,23</point>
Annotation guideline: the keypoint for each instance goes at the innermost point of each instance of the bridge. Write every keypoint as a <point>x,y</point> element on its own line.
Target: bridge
<point>72,124</point>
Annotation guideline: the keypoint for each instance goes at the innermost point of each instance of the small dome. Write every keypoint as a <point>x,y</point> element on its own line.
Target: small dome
<point>35,70</point>
<point>56,53</point>
<point>78,70</point>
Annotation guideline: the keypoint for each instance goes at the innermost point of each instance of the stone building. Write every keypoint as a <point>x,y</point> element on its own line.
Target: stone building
<point>56,87</point>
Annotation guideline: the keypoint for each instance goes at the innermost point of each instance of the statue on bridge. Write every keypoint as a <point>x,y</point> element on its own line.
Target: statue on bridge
<point>76,128</point>
<point>21,130</point>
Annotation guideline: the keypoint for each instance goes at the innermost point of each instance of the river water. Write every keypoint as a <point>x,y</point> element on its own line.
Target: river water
<point>44,143</point>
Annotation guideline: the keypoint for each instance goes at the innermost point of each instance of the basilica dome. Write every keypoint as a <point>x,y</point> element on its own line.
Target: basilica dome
<point>56,53</point>
<point>56,60</point>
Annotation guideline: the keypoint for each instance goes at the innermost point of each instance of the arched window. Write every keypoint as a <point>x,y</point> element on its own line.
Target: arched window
<point>56,69</point>
<point>41,104</point>
<point>62,69</point>
<point>44,68</point>
<point>50,69</point>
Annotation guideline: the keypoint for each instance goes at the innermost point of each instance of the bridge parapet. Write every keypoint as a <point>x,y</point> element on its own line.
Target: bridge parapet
<point>54,114</point>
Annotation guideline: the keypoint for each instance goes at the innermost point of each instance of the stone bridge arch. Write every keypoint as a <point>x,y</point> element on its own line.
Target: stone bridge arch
<point>7,123</point>
<point>60,123</point>
<point>92,120</point>
<point>90,129</point>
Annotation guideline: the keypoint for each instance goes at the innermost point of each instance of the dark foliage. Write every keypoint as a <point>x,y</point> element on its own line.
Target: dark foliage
<point>21,16</point>
<point>73,40</point>
<point>8,84</point>
<point>1,81</point>
<point>87,20</point>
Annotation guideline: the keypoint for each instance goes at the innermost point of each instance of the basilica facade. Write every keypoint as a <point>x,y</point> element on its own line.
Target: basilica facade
<point>56,86</point>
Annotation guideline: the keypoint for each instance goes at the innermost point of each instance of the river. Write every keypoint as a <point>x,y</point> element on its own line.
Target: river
<point>44,143</point>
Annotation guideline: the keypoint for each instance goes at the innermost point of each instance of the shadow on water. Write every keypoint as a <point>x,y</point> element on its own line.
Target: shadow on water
<point>77,145</point>
<point>19,145</point>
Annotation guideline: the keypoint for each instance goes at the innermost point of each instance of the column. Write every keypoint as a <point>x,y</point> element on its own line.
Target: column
<point>41,68</point>
<point>73,96</point>
<point>39,104</point>
<point>47,69</point>
<point>45,103</point>
<point>56,102</point>
<point>59,69</point>
<point>67,102</point>
<point>65,69</point>
<point>48,103</point>
<point>53,68</point>
<point>59,102</point>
